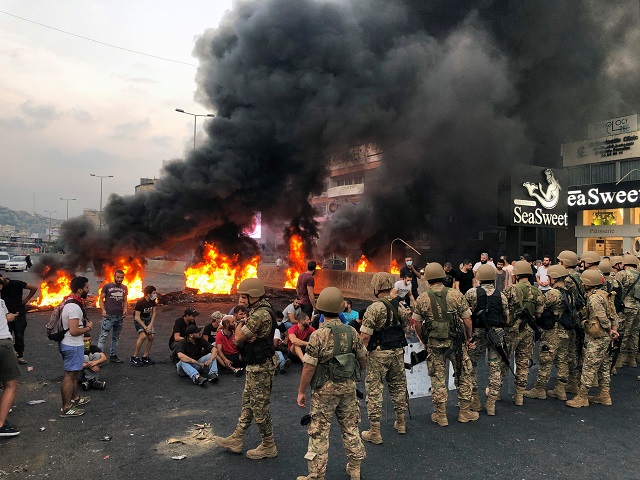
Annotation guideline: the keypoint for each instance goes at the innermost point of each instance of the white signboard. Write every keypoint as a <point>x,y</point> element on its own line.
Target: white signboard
<point>614,147</point>
<point>614,126</point>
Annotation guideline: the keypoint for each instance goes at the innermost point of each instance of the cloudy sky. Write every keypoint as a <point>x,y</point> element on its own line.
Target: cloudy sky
<point>71,107</point>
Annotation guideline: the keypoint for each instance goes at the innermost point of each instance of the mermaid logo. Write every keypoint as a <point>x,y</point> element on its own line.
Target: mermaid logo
<point>549,198</point>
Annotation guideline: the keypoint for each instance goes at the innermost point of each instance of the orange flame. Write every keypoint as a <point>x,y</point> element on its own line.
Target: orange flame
<point>53,292</point>
<point>363,264</point>
<point>133,271</point>
<point>218,273</point>
<point>395,269</point>
<point>296,259</point>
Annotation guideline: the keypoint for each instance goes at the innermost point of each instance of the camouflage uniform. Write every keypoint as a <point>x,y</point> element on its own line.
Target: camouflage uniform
<point>330,398</point>
<point>573,362</point>
<point>256,396</point>
<point>436,349</point>
<point>482,344</point>
<point>384,364</point>
<point>520,337</point>
<point>630,324</point>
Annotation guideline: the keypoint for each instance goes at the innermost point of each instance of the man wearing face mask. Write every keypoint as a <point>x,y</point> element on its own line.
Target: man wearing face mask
<point>411,272</point>
<point>145,314</point>
<point>113,302</point>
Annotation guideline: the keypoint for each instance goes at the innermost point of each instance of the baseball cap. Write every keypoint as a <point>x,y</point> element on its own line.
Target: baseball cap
<point>217,315</point>
<point>192,329</point>
<point>191,311</point>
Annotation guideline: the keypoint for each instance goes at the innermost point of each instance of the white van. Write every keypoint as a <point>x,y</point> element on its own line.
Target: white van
<point>4,258</point>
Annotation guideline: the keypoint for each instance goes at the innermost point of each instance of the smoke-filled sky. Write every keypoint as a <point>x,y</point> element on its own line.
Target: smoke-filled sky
<point>454,92</point>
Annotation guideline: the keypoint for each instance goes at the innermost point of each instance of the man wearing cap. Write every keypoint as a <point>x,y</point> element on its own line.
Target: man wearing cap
<point>181,324</point>
<point>196,357</point>
<point>304,288</point>
<point>211,329</point>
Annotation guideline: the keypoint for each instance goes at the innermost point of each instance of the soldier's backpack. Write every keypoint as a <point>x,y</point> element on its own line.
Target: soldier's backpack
<point>488,311</point>
<point>569,316</point>
<point>579,296</point>
<point>343,365</point>
<point>616,293</point>
<point>634,288</point>
<point>392,335</point>
<point>55,329</point>
<point>442,326</point>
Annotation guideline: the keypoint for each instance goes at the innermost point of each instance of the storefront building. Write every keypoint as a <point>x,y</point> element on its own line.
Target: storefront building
<point>604,187</point>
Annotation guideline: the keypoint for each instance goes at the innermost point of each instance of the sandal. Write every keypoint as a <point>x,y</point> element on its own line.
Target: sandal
<point>72,411</point>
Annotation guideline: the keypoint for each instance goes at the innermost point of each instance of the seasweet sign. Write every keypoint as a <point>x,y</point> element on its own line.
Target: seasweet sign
<point>604,195</point>
<point>538,197</point>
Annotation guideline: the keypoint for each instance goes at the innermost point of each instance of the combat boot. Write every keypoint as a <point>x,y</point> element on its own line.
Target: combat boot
<point>631,360</point>
<point>234,442</point>
<point>558,392</point>
<point>536,392</point>
<point>353,469</point>
<point>490,406</point>
<point>466,415</point>
<point>400,424</point>
<point>476,405</point>
<point>580,400</point>
<point>486,392</point>
<point>373,434</point>
<point>620,361</point>
<point>518,396</point>
<point>439,416</point>
<point>603,397</point>
<point>266,449</point>
<point>572,387</point>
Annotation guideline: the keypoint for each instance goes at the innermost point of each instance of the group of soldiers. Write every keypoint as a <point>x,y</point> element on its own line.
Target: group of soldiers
<point>582,323</point>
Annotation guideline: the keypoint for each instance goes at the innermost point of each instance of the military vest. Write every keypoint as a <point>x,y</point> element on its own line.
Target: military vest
<point>343,365</point>
<point>442,324</point>
<point>391,336</point>
<point>488,312</point>
<point>262,349</point>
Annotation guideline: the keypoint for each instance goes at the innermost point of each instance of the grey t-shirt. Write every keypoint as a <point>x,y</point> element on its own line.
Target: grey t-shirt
<point>290,309</point>
<point>114,298</point>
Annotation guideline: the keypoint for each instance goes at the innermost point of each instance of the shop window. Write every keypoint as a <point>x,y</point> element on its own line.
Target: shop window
<point>603,173</point>
<point>628,166</point>
<point>605,246</point>
<point>603,217</point>
<point>579,175</point>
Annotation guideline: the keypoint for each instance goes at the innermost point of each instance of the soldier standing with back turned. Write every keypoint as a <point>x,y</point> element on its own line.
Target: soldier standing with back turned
<point>629,279</point>
<point>333,362</point>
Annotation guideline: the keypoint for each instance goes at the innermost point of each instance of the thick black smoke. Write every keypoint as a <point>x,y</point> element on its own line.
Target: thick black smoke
<point>454,92</point>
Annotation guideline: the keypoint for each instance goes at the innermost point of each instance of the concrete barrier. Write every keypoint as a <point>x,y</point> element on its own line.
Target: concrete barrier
<point>166,266</point>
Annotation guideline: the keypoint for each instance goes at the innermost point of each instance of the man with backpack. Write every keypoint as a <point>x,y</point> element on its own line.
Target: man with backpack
<point>383,334</point>
<point>490,316</point>
<point>75,324</point>
<point>629,279</point>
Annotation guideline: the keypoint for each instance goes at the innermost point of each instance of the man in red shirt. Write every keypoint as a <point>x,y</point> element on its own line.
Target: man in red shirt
<point>298,337</point>
<point>304,289</point>
<point>228,355</point>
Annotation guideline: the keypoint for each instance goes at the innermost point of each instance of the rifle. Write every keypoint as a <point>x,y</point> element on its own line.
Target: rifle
<point>455,352</point>
<point>528,319</point>
<point>614,350</point>
<point>495,338</point>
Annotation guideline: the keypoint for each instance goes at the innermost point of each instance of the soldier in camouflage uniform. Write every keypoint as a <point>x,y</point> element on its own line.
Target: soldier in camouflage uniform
<point>519,333</point>
<point>332,395</point>
<point>486,275</point>
<point>255,341</point>
<point>600,327</point>
<point>385,362</point>
<point>572,282</point>
<point>628,327</point>
<point>440,336</point>
<point>614,287</point>
<point>554,341</point>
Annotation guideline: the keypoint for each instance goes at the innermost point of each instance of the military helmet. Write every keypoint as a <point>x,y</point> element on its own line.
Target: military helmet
<point>628,259</point>
<point>568,258</point>
<point>486,273</point>
<point>434,271</point>
<point>590,257</point>
<point>592,278</point>
<point>252,287</point>
<point>557,271</point>
<point>522,267</point>
<point>382,281</point>
<point>605,266</point>
<point>616,259</point>
<point>330,300</point>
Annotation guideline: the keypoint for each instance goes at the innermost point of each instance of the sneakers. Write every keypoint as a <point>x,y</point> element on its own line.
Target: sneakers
<point>80,401</point>
<point>7,430</point>
<point>201,380</point>
<point>99,385</point>
<point>115,359</point>
<point>136,362</point>
<point>148,361</point>
<point>86,385</point>
<point>21,361</point>
<point>213,378</point>
<point>238,372</point>
<point>72,411</point>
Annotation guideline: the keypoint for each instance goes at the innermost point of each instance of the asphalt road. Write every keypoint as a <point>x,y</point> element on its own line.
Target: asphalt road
<point>143,408</point>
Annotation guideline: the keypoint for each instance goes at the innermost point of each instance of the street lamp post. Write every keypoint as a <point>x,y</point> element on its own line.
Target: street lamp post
<point>50,212</point>
<point>100,212</point>
<point>391,252</point>
<point>195,120</point>
<point>67,200</point>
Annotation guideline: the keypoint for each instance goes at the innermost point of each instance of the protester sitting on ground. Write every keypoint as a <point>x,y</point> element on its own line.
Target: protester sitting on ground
<point>93,358</point>
<point>196,357</point>
<point>228,353</point>
<point>180,326</point>
<point>211,329</point>
<point>290,313</point>
<point>298,337</point>
<point>281,348</point>
<point>239,313</point>
<point>348,313</point>
<point>357,323</point>
<point>144,316</point>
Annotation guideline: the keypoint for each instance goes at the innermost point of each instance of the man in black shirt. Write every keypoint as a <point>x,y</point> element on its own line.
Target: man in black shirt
<point>409,271</point>
<point>196,357</point>
<point>357,323</point>
<point>450,275</point>
<point>12,291</point>
<point>144,316</point>
<point>181,324</point>
<point>465,277</point>
<point>210,329</point>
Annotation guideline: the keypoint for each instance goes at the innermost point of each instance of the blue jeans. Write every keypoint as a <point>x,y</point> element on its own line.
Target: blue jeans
<point>110,322</point>
<point>189,370</point>
<point>281,359</point>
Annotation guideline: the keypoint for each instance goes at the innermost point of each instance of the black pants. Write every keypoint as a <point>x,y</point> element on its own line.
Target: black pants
<point>17,328</point>
<point>308,309</point>
<point>235,360</point>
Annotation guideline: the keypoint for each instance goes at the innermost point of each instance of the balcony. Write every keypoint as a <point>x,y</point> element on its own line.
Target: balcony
<point>344,190</point>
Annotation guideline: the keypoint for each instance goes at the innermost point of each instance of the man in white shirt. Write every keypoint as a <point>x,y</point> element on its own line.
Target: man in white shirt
<point>544,282</point>
<point>9,370</point>
<point>75,322</point>
<point>403,288</point>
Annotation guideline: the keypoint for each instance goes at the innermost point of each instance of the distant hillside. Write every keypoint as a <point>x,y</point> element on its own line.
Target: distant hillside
<point>26,221</point>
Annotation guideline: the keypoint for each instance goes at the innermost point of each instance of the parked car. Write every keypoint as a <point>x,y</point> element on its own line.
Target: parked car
<point>16,264</point>
<point>334,264</point>
<point>4,258</point>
